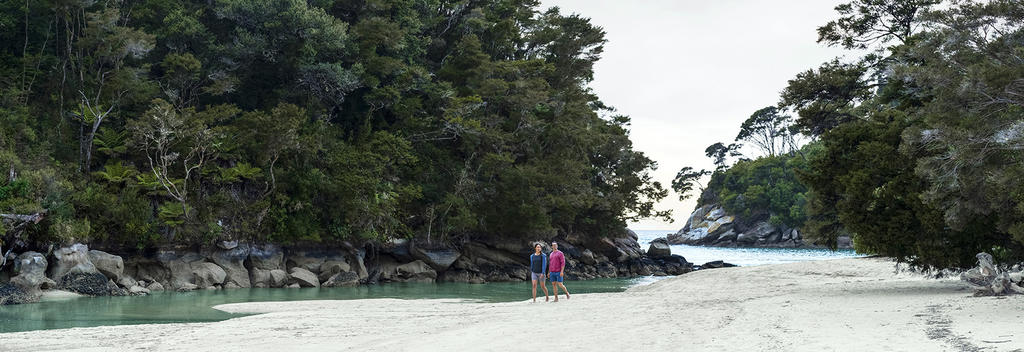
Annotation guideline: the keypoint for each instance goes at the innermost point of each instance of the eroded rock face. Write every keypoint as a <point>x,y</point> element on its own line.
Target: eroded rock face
<point>439,258</point>
<point>233,262</point>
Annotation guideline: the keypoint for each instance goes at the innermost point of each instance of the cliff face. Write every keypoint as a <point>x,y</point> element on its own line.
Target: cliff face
<point>711,225</point>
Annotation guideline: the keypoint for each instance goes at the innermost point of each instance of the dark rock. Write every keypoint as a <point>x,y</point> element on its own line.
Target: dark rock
<point>348,278</point>
<point>461,276</point>
<point>12,294</point>
<point>92,284</point>
<point>399,249</point>
<point>330,268</point>
<point>745,238</point>
<point>659,248</point>
<point>416,271</point>
<point>587,257</point>
<point>439,258</point>
<point>716,264</point>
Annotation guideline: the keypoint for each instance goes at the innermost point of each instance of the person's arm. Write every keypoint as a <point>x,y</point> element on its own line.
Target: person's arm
<point>561,259</point>
<point>545,271</point>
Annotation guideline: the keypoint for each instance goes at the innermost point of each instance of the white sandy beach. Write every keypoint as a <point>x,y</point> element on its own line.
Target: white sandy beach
<point>836,305</point>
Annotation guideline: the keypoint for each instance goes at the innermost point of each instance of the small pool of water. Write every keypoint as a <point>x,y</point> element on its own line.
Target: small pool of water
<point>196,306</point>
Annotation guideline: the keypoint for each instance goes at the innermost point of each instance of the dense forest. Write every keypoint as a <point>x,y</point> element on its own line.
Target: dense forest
<point>915,146</point>
<point>148,122</point>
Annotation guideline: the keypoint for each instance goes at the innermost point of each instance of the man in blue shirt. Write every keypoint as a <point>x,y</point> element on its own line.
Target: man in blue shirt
<point>538,269</point>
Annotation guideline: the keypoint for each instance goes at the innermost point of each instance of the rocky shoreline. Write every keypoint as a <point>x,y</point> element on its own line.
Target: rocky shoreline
<point>711,225</point>
<point>232,264</point>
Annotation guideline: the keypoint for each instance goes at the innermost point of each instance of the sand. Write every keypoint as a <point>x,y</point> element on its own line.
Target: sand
<point>837,305</point>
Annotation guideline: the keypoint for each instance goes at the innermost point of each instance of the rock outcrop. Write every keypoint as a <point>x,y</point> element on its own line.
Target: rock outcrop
<point>710,225</point>
<point>78,269</point>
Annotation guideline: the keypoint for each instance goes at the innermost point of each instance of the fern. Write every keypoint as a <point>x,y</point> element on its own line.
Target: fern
<point>111,142</point>
<point>116,172</point>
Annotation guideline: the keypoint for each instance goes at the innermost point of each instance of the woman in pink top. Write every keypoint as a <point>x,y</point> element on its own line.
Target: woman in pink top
<point>557,269</point>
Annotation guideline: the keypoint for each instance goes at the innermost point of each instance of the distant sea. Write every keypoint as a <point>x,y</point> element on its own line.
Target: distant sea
<point>742,256</point>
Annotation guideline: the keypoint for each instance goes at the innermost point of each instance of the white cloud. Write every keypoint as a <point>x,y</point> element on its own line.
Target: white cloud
<point>689,72</point>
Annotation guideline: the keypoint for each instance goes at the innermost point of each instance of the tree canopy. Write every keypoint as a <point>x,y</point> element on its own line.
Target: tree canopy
<point>148,122</point>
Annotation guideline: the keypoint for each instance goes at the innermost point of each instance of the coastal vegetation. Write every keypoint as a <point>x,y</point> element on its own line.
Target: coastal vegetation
<point>151,122</point>
<point>915,145</point>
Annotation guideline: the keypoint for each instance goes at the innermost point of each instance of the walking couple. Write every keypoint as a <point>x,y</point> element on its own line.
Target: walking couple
<point>542,268</point>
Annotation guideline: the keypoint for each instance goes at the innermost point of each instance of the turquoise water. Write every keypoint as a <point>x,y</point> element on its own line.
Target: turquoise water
<point>743,256</point>
<point>173,307</point>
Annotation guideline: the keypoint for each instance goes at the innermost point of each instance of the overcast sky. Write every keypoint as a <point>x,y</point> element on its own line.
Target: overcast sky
<point>689,72</point>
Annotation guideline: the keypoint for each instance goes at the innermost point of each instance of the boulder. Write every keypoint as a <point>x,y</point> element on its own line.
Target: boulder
<point>330,268</point>
<point>138,291</point>
<point>127,282</point>
<point>92,284</point>
<point>206,274</point>
<point>178,266</point>
<point>587,257</point>
<point>268,278</point>
<point>108,264</point>
<point>347,278</point>
<point>716,264</point>
<point>72,258</point>
<point>659,248</point>
<point>439,258</point>
<point>30,268</point>
<point>155,286</point>
<point>295,285</point>
<point>233,263</point>
<point>12,294</point>
<point>416,271</point>
<point>304,277</point>
<point>187,287</point>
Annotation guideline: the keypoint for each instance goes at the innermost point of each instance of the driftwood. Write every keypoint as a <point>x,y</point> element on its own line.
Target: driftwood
<point>988,280</point>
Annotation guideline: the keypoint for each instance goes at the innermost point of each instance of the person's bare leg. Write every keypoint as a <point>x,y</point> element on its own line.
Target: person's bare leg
<point>564,289</point>
<point>545,287</point>
<point>535,290</point>
<point>554,286</point>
